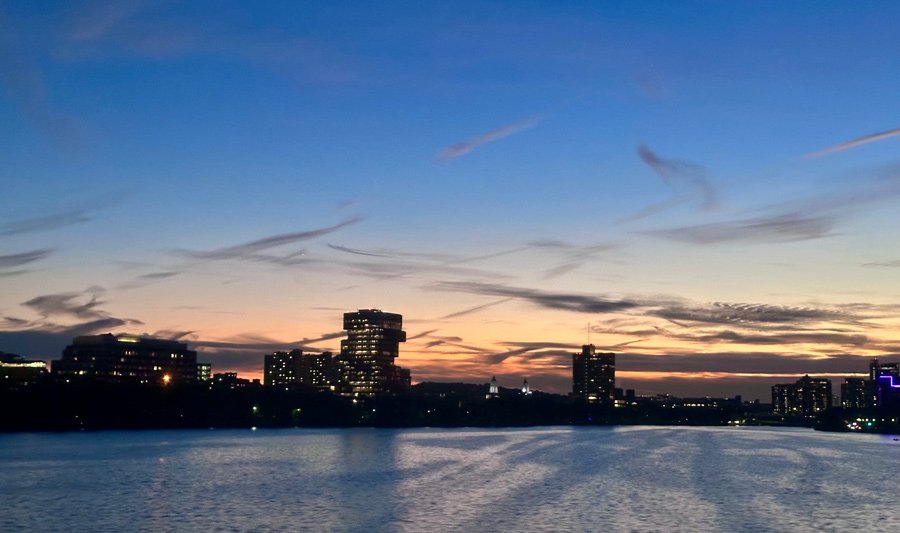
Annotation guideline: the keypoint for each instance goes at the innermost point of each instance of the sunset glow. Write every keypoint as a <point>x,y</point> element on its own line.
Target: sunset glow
<point>238,176</point>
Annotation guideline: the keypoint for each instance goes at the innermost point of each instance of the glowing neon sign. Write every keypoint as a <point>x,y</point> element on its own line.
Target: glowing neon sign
<point>891,379</point>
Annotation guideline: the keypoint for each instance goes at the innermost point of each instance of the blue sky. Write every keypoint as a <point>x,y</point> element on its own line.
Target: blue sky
<point>138,132</point>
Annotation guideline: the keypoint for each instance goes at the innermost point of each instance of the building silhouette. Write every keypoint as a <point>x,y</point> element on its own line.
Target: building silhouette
<point>127,359</point>
<point>282,369</point>
<point>594,375</point>
<point>204,372</point>
<point>296,368</point>
<point>857,393</point>
<point>493,389</point>
<point>807,397</point>
<point>17,371</point>
<point>880,389</point>
<point>366,362</point>
<point>231,381</point>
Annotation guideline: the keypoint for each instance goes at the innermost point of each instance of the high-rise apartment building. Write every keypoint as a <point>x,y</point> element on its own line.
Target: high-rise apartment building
<point>366,362</point>
<point>807,397</point>
<point>287,369</point>
<point>594,375</point>
<point>282,369</point>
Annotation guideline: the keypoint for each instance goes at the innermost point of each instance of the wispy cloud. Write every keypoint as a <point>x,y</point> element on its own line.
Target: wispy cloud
<point>44,223</point>
<point>748,313</point>
<point>688,181</point>
<point>23,79</point>
<point>14,260</point>
<point>475,309</point>
<point>357,251</point>
<point>859,141</point>
<point>573,255</point>
<point>140,29</point>
<point>554,300</point>
<point>262,344</point>
<point>741,362</point>
<point>813,217</point>
<point>159,275</point>
<point>779,228</point>
<point>775,339</point>
<point>463,148</point>
<point>249,250</point>
<point>889,264</point>
<point>66,303</point>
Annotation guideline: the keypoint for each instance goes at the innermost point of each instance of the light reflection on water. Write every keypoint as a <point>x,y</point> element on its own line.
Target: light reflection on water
<point>575,479</point>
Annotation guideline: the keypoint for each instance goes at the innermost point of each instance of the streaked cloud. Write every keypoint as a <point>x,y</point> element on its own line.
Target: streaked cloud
<point>747,313</point>
<point>688,181</point>
<point>14,260</point>
<point>67,303</point>
<point>44,223</point>
<point>776,339</point>
<point>776,228</point>
<point>572,256</point>
<point>249,250</point>
<point>24,82</point>
<point>888,264</point>
<point>853,143</point>
<point>463,148</point>
<point>475,309</point>
<point>554,300</point>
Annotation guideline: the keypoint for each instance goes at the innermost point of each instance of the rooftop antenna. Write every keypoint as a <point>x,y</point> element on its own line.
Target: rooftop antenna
<point>589,332</point>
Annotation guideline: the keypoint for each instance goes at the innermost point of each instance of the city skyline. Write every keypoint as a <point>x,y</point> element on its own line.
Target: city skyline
<point>709,191</point>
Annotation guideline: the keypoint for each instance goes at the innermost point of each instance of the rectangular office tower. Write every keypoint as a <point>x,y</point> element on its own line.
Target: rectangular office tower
<point>127,359</point>
<point>366,361</point>
<point>594,375</point>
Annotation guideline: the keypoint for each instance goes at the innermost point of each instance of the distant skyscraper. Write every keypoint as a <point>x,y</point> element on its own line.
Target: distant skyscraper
<point>318,370</point>
<point>594,375</point>
<point>125,358</point>
<point>282,369</point>
<point>807,397</point>
<point>288,369</point>
<point>885,382</point>
<point>857,393</point>
<point>366,362</point>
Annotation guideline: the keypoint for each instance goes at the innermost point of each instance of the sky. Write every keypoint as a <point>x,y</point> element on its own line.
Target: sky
<point>708,189</point>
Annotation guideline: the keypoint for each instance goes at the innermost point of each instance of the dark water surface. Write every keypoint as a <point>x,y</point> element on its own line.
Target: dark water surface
<point>545,479</point>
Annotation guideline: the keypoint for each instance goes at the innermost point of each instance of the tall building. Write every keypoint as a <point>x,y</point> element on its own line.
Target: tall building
<point>127,359</point>
<point>287,369</point>
<point>282,369</point>
<point>807,397</point>
<point>366,362</point>
<point>318,370</point>
<point>857,393</point>
<point>594,375</point>
<point>885,384</point>
<point>880,389</point>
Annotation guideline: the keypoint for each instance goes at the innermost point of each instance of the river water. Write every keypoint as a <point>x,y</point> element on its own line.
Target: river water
<point>543,479</point>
